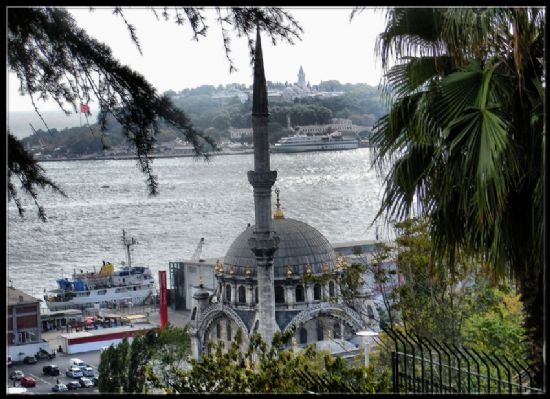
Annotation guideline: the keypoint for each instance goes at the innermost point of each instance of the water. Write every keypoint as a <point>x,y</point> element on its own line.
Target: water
<point>336,192</point>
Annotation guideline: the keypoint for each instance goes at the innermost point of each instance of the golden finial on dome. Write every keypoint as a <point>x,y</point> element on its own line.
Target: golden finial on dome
<point>201,282</point>
<point>289,271</point>
<point>248,271</point>
<point>325,268</point>
<point>219,268</point>
<point>278,212</point>
<point>308,269</point>
<point>338,266</point>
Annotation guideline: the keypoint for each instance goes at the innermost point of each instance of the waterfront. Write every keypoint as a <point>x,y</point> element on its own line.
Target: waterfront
<point>336,192</point>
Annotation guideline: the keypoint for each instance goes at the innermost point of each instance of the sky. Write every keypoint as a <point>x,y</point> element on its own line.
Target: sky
<point>332,48</point>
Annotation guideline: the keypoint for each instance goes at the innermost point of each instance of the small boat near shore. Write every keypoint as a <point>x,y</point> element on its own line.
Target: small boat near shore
<point>128,284</point>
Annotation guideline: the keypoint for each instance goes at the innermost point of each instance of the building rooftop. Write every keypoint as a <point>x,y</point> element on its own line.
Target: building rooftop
<point>18,297</point>
<point>107,331</point>
<point>66,312</point>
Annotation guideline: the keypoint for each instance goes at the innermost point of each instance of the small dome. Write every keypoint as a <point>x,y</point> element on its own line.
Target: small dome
<point>299,245</point>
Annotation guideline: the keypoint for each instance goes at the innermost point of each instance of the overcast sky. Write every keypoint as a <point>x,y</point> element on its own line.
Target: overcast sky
<point>332,47</point>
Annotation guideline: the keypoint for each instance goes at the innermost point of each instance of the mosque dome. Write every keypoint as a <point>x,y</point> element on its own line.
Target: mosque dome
<point>300,246</point>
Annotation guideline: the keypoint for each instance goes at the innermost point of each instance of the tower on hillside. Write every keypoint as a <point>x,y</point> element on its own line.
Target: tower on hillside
<point>301,78</point>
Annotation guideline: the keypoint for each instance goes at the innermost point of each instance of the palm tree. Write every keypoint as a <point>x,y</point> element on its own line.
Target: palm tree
<point>463,142</point>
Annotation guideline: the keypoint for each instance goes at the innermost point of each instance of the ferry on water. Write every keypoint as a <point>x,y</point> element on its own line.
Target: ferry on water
<point>129,284</point>
<point>327,142</point>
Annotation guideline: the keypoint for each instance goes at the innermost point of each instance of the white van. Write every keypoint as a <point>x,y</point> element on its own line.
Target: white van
<point>77,363</point>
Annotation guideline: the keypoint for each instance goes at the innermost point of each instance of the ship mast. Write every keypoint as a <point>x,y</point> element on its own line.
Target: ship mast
<point>128,243</point>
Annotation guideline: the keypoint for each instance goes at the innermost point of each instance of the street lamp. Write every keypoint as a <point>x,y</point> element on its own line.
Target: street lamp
<point>366,334</point>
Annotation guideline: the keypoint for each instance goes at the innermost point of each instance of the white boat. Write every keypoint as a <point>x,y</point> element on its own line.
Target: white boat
<point>128,284</point>
<point>327,142</point>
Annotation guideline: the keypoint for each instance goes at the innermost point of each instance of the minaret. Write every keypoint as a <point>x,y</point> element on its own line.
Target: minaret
<point>264,242</point>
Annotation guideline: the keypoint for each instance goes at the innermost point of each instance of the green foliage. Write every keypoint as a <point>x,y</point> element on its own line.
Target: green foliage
<point>350,281</point>
<point>260,368</point>
<point>123,368</point>
<point>498,329</point>
<point>454,305</point>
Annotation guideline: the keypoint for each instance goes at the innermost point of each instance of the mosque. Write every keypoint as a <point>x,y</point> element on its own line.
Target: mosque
<point>279,273</point>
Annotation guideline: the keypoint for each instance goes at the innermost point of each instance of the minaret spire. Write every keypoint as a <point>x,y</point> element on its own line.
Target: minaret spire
<point>259,92</point>
<point>264,242</point>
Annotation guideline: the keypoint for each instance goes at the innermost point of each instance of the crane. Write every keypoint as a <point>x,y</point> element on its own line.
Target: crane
<point>128,243</point>
<point>197,254</point>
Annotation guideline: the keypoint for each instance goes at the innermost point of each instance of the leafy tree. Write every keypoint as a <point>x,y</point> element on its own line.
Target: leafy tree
<point>497,327</point>
<point>221,121</point>
<point>112,370</point>
<point>54,58</point>
<point>330,85</point>
<point>465,308</point>
<point>465,138</point>
<point>124,367</point>
<point>269,369</point>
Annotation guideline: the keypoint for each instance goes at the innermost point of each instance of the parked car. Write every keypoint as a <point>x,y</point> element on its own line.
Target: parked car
<point>60,388</point>
<point>74,372</point>
<point>95,381</point>
<point>87,371</point>
<point>77,363</point>
<point>85,382</point>
<point>44,354</point>
<point>29,360</point>
<point>51,369</point>
<point>16,375</point>
<point>71,385</point>
<point>28,382</point>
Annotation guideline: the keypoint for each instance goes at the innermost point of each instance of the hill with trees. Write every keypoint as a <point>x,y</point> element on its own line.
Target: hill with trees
<point>215,110</point>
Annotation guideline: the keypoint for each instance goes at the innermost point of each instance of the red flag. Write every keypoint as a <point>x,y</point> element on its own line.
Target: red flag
<point>84,109</point>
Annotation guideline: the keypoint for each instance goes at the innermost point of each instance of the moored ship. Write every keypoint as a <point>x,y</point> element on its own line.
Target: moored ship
<point>128,284</point>
<point>327,142</point>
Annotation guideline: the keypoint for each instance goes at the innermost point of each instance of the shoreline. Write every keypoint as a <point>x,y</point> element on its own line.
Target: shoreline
<point>130,157</point>
<point>161,156</point>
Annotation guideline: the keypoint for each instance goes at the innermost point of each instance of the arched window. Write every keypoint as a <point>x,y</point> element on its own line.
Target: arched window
<point>242,294</point>
<point>303,336</point>
<point>228,293</point>
<point>256,295</point>
<point>218,331</point>
<point>337,332</point>
<point>331,290</point>
<point>279,294</point>
<point>228,330</point>
<point>317,292</point>
<point>320,335</point>
<point>299,293</point>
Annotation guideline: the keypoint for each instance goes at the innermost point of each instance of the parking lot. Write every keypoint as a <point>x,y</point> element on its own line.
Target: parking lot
<point>44,383</point>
